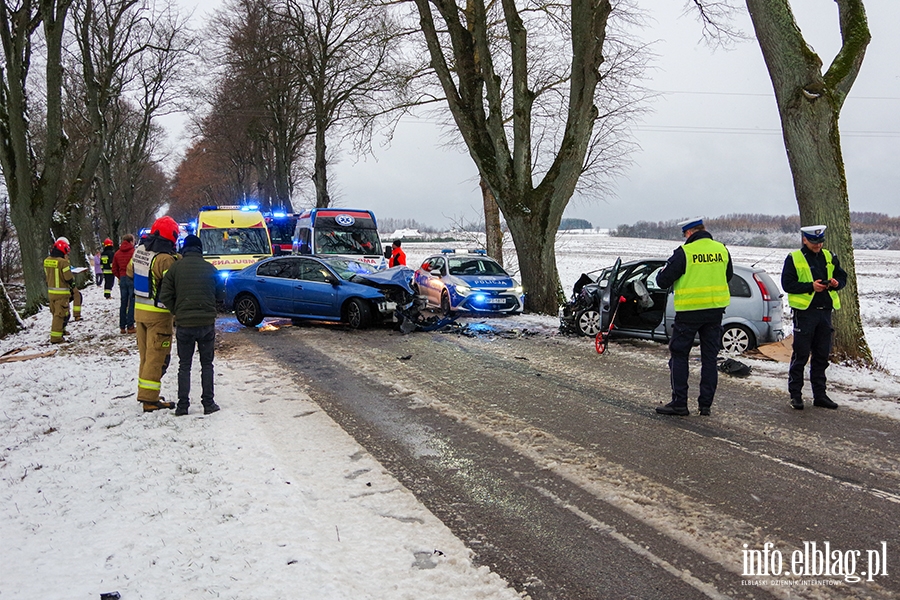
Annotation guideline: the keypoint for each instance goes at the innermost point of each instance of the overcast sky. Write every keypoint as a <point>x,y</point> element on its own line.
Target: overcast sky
<point>711,146</point>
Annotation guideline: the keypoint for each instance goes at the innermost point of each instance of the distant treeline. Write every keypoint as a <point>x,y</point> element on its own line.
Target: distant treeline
<point>871,231</point>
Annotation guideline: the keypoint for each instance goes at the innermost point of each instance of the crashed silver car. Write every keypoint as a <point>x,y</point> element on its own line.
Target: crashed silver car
<point>642,309</point>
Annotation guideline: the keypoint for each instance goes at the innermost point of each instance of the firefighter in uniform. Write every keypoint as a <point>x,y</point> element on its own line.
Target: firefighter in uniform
<point>700,271</point>
<point>60,284</point>
<point>148,265</point>
<point>106,262</point>
<point>811,278</point>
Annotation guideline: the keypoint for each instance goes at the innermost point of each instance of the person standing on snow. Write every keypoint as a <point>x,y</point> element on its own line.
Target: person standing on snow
<point>189,291</point>
<point>699,270</point>
<point>98,270</point>
<point>126,283</point>
<point>106,258</point>
<point>811,278</point>
<point>148,266</point>
<point>60,283</point>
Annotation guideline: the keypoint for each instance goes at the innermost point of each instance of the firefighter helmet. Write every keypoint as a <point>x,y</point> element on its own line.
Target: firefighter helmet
<point>62,244</point>
<point>166,227</point>
<point>107,242</point>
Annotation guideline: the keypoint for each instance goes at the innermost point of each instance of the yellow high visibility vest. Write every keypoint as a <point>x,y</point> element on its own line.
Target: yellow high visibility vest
<point>704,283</point>
<point>804,275</point>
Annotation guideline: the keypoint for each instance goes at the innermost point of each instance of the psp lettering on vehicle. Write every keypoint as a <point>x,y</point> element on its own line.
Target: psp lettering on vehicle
<point>234,237</point>
<point>345,232</point>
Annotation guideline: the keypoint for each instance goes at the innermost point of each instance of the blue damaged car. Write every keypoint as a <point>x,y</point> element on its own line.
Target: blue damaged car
<point>469,282</point>
<point>306,287</point>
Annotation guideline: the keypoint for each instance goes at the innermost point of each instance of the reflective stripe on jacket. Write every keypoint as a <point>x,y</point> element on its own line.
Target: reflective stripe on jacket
<point>705,281</point>
<point>804,275</point>
<point>58,275</point>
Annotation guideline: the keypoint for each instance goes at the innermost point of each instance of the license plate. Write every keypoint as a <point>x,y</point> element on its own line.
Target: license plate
<point>496,300</point>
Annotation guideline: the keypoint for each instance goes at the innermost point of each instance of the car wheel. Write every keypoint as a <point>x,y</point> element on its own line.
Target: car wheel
<point>445,304</point>
<point>358,315</point>
<point>588,322</point>
<point>247,311</point>
<point>737,339</point>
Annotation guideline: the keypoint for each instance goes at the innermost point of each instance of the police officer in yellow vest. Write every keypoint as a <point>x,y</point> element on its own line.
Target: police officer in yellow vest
<point>60,283</point>
<point>700,271</point>
<point>148,265</point>
<point>811,277</point>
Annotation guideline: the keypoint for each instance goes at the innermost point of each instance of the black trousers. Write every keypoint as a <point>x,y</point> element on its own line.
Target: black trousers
<point>205,340</point>
<point>108,280</point>
<point>679,352</point>
<point>813,335</point>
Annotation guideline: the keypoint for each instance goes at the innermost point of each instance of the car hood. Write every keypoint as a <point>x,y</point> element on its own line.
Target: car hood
<point>483,281</point>
<point>399,276</point>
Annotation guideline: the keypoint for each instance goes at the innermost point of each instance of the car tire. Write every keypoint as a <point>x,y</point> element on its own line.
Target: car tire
<point>445,304</point>
<point>357,314</point>
<point>247,311</point>
<point>588,322</point>
<point>737,339</point>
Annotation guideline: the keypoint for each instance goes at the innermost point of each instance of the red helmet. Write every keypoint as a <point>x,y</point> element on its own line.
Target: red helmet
<point>107,242</point>
<point>166,227</point>
<point>62,244</point>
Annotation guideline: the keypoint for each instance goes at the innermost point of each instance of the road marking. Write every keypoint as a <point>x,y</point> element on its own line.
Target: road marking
<point>707,589</point>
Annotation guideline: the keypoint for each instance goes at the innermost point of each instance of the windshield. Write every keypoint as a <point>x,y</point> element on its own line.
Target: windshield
<point>474,266</point>
<point>348,241</point>
<point>347,268</point>
<point>281,230</point>
<point>237,240</point>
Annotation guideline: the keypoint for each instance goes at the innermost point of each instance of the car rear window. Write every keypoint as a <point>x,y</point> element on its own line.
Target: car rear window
<point>739,287</point>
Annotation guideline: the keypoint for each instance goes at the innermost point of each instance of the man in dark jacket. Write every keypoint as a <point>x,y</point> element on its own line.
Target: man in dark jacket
<point>189,291</point>
<point>699,271</point>
<point>126,284</point>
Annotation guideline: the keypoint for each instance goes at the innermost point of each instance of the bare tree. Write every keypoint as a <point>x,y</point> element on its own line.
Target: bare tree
<point>809,104</point>
<point>526,85</point>
<point>262,80</point>
<point>33,182</point>
<point>347,51</point>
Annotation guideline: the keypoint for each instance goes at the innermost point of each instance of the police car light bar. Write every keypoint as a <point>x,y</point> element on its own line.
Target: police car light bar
<point>448,251</point>
<point>478,251</point>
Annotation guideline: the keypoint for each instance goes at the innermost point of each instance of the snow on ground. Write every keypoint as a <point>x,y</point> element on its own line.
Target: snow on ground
<point>268,498</point>
<point>256,501</point>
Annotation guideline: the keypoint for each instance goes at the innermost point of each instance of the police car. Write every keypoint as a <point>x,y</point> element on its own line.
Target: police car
<point>468,282</point>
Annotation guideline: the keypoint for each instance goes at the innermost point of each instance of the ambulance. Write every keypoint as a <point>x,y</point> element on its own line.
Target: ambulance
<point>346,232</point>
<point>233,237</point>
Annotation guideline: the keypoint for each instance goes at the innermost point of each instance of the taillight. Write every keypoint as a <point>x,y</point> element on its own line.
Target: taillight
<point>762,287</point>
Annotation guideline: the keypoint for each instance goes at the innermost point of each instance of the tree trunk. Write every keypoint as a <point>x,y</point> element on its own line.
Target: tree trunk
<point>492,230</point>
<point>809,104</point>
<point>10,321</point>
<point>535,242</point>
<point>320,175</point>
<point>500,146</point>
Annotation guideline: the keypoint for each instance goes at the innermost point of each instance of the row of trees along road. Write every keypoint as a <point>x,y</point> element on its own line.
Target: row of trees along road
<point>539,94</point>
<point>80,84</point>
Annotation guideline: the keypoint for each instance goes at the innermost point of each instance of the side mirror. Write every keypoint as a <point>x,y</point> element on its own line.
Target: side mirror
<point>332,280</point>
<point>436,273</point>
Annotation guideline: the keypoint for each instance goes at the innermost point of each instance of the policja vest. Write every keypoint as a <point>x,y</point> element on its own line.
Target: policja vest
<point>704,283</point>
<point>804,275</point>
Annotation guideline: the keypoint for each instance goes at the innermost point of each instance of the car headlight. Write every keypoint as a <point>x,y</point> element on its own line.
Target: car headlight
<point>517,290</point>
<point>463,290</point>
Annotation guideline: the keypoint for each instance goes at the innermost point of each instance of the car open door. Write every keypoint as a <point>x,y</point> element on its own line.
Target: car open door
<point>609,296</point>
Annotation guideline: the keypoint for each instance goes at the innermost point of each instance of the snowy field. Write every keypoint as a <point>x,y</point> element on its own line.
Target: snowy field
<point>96,497</point>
